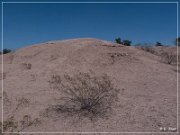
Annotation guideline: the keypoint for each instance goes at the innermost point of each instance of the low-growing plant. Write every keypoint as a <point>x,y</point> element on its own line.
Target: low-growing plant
<point>84,95</point>
<point>10,124</point>
<point>27,66</point>
<point>149,49</point>
<point>127,42</point>
<point>21,103</point>
<point>158,44</point>
<point>177,41</point>
<point>6,51</point>
<point>168,57</point>
<point>27,121</point>
<point>118,40</point>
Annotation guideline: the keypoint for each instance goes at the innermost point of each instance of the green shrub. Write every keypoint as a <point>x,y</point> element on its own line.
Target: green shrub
<point>177,42</point>
<point>118,40</point>
<point>158,44</point>
<point>126,42</point>
<point>6,51</point>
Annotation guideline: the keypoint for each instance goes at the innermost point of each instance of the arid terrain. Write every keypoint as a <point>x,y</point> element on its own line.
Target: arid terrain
<point>147,84</point>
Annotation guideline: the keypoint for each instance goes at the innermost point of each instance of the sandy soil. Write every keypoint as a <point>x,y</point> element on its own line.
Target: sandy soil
<point>147,101</point>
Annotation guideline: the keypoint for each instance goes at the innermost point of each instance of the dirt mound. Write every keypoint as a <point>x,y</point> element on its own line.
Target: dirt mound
<point>146,102</point>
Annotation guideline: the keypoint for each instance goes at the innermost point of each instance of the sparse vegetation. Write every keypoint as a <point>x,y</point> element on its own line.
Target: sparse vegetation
<point>6,51</point>
<point>149,49</point>
<point>10,124</point>
<point>118,40</point>
<point>127,42</point>
<point>166,57</point>
<point>158,44</point>
<point>27,66</point>
<point>22,102</point>
<point>27,122</point>
<point>124,42</point>
<point>177,42</point>
<point>169,58</point>
<point>84,95</point>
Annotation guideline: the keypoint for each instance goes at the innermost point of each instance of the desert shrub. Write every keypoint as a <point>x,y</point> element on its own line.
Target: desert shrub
<point>21,103</point>
<point>1,132</point>
<point>168,58</point>
<point>177,41</point>
<point>51,42</point>
<point>149,49</point>
<point>10,124</point>
<point>27,121</point>
<point>118,40</point>
<point>27,65</point>
<point>6,51</point>
<point>158,44</point>
<point>126,42</point>
<point>84,95</point>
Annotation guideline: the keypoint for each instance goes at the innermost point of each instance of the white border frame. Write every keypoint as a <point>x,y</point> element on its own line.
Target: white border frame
<point>177,132</point>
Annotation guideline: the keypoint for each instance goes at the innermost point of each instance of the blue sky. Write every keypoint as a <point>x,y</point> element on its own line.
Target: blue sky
<point>27,24</point>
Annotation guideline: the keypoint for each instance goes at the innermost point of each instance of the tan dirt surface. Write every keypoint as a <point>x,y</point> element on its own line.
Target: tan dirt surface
<point>148,97</point>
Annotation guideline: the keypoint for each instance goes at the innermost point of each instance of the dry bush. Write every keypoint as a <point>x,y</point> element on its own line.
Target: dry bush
<point>149,49</point>
<point>27,66</point>
<point>21,103</point>
<point>51,42</point>
<point>10,124</point>
<point>84,95</point>
<point>13,108</point>
<point>169,58</point>
<point>1,132</point>
<point>27,121</point>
